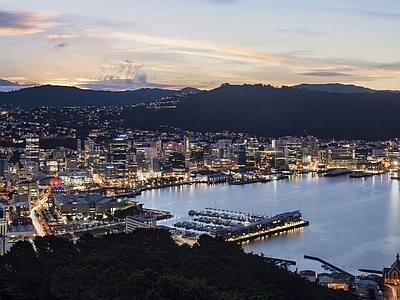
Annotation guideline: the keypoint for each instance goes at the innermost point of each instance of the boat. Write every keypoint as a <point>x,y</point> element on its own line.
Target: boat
<point>336,172</point>
<point>360,174</point>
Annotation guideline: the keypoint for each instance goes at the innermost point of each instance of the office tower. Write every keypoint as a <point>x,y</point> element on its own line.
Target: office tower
<point>32,149</point>
<point>3,244</point>
<point>3,226</point>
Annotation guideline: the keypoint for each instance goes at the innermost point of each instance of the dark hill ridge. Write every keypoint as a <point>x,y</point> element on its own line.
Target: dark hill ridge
<point>274,112</point>
<point>256,109</point>
<point>49,95</point>
<point>335,88</point>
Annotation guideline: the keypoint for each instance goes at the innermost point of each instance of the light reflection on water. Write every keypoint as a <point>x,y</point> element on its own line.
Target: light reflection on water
<point>354,223</point>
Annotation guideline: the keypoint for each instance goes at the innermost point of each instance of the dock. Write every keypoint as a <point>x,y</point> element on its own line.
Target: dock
<point>237,226</point>
<point>329,265</point>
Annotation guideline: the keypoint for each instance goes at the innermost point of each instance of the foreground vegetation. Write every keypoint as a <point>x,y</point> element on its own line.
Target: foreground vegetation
<point>146,264</point>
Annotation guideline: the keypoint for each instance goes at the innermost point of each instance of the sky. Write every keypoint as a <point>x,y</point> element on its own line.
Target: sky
<point>131,44</point>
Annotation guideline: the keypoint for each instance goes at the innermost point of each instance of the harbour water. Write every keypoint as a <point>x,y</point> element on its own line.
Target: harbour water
<point>354,222</point>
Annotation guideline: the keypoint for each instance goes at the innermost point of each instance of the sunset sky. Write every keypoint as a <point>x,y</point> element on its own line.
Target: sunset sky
<point>129,44</point>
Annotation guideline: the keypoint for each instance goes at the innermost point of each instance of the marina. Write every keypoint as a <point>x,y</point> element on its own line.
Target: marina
<point>238,226</point>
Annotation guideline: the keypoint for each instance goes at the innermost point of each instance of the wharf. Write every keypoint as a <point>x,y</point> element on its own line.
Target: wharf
<point>238,236</point>
<point>242,182</point>
<point>232,226</point>
<point>360,174</point>
<point>329,265</point>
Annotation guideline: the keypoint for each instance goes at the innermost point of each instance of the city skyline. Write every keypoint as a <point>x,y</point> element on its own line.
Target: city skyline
<point>99,45</point>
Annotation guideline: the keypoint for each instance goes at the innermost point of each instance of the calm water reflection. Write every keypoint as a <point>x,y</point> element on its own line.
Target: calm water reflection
<point>354,223</point>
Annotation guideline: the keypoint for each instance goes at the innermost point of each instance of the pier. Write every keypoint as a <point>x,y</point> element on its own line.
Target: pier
<point>279,262</point>
<point>238,226</point>
<point>329,265</point>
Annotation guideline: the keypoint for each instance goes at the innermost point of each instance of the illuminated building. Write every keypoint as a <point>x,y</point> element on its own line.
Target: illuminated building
<point>3,244</point>
<point>140,221</point>
<point>29,187</point>
<point>392,275</point>
<point>3,226</point>
<point>89,204</point>
<point>76,177</point>
<point>32,149</point>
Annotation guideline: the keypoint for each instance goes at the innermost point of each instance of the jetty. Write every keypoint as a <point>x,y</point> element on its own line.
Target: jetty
<point>329,265</point>
<point>238,226</point>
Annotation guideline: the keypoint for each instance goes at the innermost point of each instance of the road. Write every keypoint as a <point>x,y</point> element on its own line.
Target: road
<point>393,295</point>
<point>35,222</point>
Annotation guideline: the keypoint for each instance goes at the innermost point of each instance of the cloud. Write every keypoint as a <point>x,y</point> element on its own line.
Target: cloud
<point>20,23</point>
<point>61,36</point>
<point>116,84</point>
<point>59,39</point>
<point>61,46</point>
<point>126,69</point>
<point>325,74</point>
<point>380,15</point>
<point>119,76</point>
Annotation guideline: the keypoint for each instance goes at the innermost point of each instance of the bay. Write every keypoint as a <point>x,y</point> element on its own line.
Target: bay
<point>354,223</point>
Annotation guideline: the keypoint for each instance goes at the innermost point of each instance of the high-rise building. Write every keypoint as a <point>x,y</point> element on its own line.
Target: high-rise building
<point>177,161</point>
<point>78,145</point>
<point>32,149</point>
<point>3,165</point>
<point>3,226</point>
<point>118,150</point>
<point>88,145</point>
<point>3,245</point>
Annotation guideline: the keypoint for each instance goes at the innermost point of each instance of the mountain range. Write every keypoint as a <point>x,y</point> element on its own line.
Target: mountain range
<point>274,112</point>
<point>335,88</point>
<point>256,109</point>
<point>49,95</point>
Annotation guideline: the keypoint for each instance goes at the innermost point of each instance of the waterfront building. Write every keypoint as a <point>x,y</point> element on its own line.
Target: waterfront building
<point>310,153</point>
<point>308,274</point>
<point>140,221</point>
<point>177,161</point>
<point>161,165</point>
<point>239,157</point>
<point>86,205</point>
<point>392,275</point>
<point>207,176</point>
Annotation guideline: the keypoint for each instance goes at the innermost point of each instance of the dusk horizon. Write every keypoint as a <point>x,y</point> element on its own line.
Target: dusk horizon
<point>101,46</point>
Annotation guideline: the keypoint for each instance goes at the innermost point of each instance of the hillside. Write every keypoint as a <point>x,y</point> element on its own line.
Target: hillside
<point>255,109</point>
<point>335,88</point>
<point>275,112</point>
<point>147,264</point>
<point>49,95</point>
